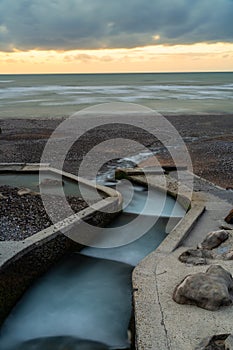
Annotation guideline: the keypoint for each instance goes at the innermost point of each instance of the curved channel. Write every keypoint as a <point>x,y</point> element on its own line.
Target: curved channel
<point>85,301</point>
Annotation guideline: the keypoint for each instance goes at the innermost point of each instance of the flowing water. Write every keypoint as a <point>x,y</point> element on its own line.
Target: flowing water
<point>59,95</point>
<point>31,180</point>
<point>85,301</point>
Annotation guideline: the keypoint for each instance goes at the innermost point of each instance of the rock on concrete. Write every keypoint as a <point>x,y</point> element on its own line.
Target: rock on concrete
<point>209,290</point>
<point>214,239</point>
<point>217,342</point>
<point>229,217</point>
<point>197,256</point>
<point>229,343</point>
<point>224,250</point>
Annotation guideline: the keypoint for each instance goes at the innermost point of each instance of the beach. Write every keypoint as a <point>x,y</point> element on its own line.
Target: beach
<point>209,140</point>
<point>198,105</point>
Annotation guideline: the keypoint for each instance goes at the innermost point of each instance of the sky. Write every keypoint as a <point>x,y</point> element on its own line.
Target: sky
<point>95,36</point>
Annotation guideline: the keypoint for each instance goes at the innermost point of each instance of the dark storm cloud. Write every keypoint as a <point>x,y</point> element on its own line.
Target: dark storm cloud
<point>90,24</point>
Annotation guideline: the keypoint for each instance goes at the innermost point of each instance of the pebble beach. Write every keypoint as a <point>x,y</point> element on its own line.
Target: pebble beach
<point>24,215</point>
<point>209,140</point>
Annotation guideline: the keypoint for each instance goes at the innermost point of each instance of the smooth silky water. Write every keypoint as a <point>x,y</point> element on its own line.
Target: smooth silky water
<point>31,180</point>
<point>85,301</point>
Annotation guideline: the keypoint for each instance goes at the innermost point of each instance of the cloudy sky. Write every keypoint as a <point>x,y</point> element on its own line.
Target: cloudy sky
<point>115,35</point>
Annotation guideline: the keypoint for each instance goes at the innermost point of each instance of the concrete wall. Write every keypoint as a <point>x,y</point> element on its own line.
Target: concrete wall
<point>22,262</point>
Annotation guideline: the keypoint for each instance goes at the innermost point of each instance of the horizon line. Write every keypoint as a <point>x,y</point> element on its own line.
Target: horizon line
<point>111,73</point>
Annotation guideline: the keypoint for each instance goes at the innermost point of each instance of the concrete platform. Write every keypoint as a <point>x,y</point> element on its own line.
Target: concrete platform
<point>160,322</point>
<point>184,326</point>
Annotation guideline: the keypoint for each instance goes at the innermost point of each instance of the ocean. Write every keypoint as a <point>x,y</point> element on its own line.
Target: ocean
<point>60,95</point>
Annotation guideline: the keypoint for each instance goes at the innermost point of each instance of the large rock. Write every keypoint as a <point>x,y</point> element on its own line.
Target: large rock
<point>209,290</point>
<point>229,217</point>
<point>229,343</point>
<point>214,239</point>
<point>197,256</point>
<point>222,241</point>
<point>217,342</point>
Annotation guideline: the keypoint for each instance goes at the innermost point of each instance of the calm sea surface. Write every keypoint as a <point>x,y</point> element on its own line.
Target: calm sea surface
<point>57,95</point>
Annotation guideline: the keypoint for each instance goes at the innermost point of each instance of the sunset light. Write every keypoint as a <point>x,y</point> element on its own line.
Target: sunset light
<point>159,58</point>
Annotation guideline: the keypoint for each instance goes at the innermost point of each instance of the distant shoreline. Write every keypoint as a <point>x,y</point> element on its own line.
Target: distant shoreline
<point>166,115</point>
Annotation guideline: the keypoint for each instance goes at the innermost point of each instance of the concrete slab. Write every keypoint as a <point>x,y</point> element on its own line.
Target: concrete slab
<point>35,166</point>
<point>163,324</point>
<point>216,211</point>
<point>9,249</point>
<point>11,167</point>
<point>187,325</point>
<point>160,322</point>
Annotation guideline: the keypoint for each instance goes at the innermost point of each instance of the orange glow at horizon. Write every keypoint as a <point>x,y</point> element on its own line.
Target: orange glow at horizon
<point>159,58</point>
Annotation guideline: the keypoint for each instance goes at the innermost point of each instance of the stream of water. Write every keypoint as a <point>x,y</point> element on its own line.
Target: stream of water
<point>85,301</point>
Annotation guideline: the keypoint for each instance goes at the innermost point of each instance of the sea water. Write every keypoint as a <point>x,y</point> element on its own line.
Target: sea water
<point>60,95</point>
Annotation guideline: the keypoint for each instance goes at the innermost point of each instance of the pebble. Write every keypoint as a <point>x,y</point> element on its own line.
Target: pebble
<point>23,216</point>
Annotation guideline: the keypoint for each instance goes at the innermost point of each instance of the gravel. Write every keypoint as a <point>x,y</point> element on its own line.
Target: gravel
<point>209,139</point>
<point>23,216</point>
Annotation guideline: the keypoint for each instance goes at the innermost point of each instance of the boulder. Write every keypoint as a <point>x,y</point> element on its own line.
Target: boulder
<point>214,239</point>
<point>209,290</point>
<point>229,217</point>
<point>196,256</point>
<point>229,343</point>
<point>217,342</point>
<point>203,256</point>
<point>228,255</point>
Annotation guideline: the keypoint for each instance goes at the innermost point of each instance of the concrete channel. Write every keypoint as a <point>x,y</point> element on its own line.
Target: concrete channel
<point>159,322</point>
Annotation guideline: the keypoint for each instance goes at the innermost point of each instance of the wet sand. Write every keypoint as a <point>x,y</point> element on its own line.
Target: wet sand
<point>209,139</point>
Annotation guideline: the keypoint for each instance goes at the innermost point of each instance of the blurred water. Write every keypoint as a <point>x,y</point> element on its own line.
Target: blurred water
<point>81,297</point>
<point>59,343</point>
<point>31,180</point>
<point>88,294</point>
<point>58,95</point>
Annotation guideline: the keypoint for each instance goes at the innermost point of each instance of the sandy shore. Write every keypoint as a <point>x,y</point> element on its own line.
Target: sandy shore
<point>209,140</point>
